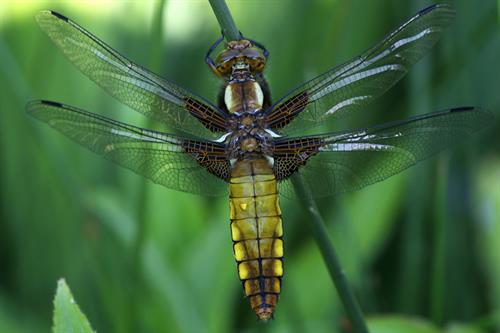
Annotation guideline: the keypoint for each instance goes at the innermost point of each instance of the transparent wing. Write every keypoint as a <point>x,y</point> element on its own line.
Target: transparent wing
<point>131,84</point>
<point>183,164</point>
<point>356,83</point>
<point>347,161</point>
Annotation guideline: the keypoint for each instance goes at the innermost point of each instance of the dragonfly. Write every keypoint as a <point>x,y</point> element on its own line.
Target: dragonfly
<point>247,146</point>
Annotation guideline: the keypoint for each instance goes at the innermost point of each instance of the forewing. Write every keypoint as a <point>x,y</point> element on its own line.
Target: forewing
<point>131,84</point>
<point>189,165</point>
<point>356,83</point>
<point>347,161</point>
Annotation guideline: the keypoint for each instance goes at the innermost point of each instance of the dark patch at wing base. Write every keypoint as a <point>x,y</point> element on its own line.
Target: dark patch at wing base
<point>211,156</point>
<point>287,111</point>
<point>290,155</point>
<point>207,116</point>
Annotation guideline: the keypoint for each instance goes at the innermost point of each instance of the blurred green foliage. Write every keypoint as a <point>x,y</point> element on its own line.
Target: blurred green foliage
<point>142,258</point>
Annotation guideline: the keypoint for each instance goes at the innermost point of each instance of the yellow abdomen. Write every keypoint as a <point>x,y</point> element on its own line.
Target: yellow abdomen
<point>257,231</point>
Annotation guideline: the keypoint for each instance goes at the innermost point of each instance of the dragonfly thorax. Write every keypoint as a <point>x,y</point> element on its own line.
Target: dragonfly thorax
<point>240,72</point>
<point>244,95</point>
<point>249,137</point>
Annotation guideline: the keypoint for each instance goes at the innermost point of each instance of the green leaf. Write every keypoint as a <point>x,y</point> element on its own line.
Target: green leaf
<point>67,315</point>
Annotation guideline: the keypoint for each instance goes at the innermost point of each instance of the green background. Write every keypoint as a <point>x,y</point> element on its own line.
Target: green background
<point>421,250</point>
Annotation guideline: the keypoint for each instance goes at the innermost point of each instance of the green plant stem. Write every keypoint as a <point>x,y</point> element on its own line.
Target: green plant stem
<point>322,238</point>
<point>225,19</point>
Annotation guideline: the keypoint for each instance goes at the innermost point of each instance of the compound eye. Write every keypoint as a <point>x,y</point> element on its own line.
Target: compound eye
<point>224,66</point>
<point>256,65</point>
<point>251,53</point>
<point>259,66</point>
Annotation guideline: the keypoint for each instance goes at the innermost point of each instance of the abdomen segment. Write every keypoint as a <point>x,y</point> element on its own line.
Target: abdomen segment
<point>257,233</point>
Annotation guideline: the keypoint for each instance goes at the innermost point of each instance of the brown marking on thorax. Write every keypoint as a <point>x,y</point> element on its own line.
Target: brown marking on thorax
<point>241,97</point>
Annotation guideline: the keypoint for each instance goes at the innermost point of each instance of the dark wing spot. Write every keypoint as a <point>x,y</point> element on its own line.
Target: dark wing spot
<point>60,16</point>
<point>51,103</point>
<point>462,109</point>
<point>428,9</point>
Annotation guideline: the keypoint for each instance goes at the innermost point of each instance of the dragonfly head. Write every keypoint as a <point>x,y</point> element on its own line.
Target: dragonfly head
<point>238,55</point>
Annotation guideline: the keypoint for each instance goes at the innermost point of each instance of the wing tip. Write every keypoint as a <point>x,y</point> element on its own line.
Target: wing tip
<point>444,7</point>
<point>49,12</point>
<point>46,102</point>
<point>31,106</point>
<point>436,6</point>
<point>485,118</point>
<point>58,15</point>
<point>51,103</point>
<point>463,109</point>
<point>472,109</point>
